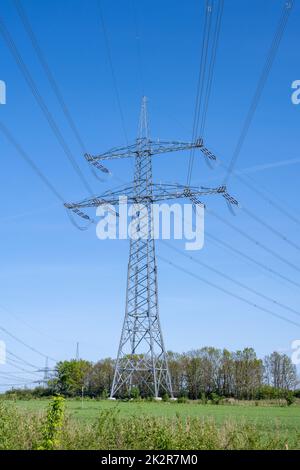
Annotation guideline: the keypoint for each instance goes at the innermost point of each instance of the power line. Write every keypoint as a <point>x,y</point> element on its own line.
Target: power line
<point>251,259</point>
<point>11,363</point>
<point>38,172</point>
<point>251,185</point>
<point>49,74</point>
<point>12,376</point>
<point>201,78</point>
<point>261,84</point>
<point>253,240</point>
<point>30,162</point>
<point>260,193</point>
<point>270,228</point>
<point>25,344</point>
<point>52,81</point>
<point>17,384</point>
<point>255,217</point>
<point>215,43</point>
<point>41,103</point>
<point>228,292</point>
<point>20,359</point>
<point>10,313</point>
<point>231,279</point>
<point>112,70</point>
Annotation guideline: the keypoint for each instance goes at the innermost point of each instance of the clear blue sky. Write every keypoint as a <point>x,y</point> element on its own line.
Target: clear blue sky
<point>67,283</point>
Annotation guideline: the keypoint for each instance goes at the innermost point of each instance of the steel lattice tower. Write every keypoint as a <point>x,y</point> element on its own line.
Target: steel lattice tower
<point>141,354</point>
<point>142,359</point>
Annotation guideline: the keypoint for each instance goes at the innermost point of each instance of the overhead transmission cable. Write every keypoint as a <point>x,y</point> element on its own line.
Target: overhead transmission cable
<point>25,344</point>
<point>250,259</point>
<point>51,79</point>
<point>263,78</point>
<point>287,7</point>
<point>20,359</point>
<point>112,70</point>
<point>258,219</point>
<point>18,318</point>
<point>230,293</point>
<point>201,79</point>
<point>30,162</point>
<point>260,192</point>
<point>48,72</point>
<point>253,240</point>
<point>16,366</point>
<point>12,376</point>
<point>273,230</point>
<point>38,172</point>
<point>209,48</point>
<point>215,43</point>
<point>231,279</point>
<point>18,384</point>
<point>42,105</point>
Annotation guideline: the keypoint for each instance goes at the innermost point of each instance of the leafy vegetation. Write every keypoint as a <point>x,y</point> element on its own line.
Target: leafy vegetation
<point>52,428</point>
<point>206,374</point>
<point>111,428</point>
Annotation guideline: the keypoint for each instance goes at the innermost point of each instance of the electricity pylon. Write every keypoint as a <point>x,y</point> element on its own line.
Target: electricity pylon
<point>142,359</point>
<point>46,377</point>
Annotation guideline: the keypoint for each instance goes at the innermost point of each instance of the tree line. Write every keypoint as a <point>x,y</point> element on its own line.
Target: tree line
<point>199,374</point>
<point>196,374</point>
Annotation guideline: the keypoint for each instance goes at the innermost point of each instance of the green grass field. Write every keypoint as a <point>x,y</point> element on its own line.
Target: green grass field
<point>263,416</point>
<point>105,424</point>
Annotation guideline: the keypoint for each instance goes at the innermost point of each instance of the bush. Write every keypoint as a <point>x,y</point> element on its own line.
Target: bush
<point>182,399</point>
<point>215,398</point>
<point>135,393</point>
<point>53,424</point>
<point>18,431</point>
<point>290,398</point>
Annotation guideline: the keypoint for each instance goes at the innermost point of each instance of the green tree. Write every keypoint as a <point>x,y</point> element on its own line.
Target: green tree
<point>71,376</point>
<point>280,372</point>
<point>101,377</point>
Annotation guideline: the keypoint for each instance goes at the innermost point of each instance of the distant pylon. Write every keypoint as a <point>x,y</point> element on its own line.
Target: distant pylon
<point>77,351</point>
<point>46,373</point>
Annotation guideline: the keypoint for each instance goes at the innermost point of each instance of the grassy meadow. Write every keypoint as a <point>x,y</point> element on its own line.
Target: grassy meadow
<point>104,424</point>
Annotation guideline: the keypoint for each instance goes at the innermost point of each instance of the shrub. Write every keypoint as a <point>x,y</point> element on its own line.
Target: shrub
<point>53,424</point>
<point>135,393</point>
<point>290,398</point>
<point>182,399</point>
<point>215,398</point>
